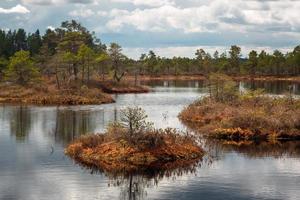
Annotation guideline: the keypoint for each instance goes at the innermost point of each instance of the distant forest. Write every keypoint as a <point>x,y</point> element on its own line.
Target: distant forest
<point>72,51</point>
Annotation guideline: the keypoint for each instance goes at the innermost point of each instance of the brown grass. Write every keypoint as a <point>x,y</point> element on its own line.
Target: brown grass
<point>248,118</point>
<point>42,94</point>
<point>118,151</point>
<point>268,78</point>
<point>112,87</point>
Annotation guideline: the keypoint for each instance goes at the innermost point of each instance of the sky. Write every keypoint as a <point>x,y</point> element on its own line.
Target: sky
<point>169,27</point>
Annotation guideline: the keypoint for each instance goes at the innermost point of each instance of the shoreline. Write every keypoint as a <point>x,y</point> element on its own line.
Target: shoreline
<point>101,91</point>
<point>48,95</point>
<point>202,77</point>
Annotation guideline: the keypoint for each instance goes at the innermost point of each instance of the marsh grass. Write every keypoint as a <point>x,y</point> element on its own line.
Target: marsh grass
<point>247,118</point>
<point>122,87</point>
<point>46,93</point>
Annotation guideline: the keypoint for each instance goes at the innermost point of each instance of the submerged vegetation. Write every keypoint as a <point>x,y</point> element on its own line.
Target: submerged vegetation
<point>134,145</point>
<point>227,114</point>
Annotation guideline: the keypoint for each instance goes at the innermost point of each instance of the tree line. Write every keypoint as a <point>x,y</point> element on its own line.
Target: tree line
<point>71,53</point>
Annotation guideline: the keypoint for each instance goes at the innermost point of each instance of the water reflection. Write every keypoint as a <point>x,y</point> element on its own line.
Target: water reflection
<point>175,83</point>
<point>134,185</point>
<point>273,87</point>
<point>70,124</point>
<point>28,170</point>
<point>20,123</point>
<point>251,149</point>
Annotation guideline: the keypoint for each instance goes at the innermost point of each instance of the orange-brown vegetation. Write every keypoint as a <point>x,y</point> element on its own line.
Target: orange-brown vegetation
<point>48,94</point>
<point>117,150</point>
<point>245,118</point>
<point>112,87</point>
<point>268,78</point>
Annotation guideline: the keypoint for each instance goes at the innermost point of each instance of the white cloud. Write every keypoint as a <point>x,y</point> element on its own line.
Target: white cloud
<point>38,2</point>
<point>56,2</point>
<point>170,22</point>
<point>102,13</point>
<point>152,3</point>
<point>82,13</point>
<point>216,16</point>
<point>161,19</point>
<point>51,28</point>
<point>16,9</point>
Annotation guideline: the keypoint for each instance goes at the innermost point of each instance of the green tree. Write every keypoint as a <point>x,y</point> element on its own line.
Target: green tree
<point>253,61</point>
<point>70,45</point>
<point>200,55</point>
<point>235,54</point>
<point>151,62</point>
<point>50,42</point>
<point>134,119</point>
<point>86,56</point>
<point>34,43</point>
<point>296,60</point>
<point>142,63</point>
<point>222,88</point>
<point>277,61</point>
<point>71,60</point>
<point>3,65</point>
<point>20,40</point>
<point>116,56</point>
<point>102,62</point>
<point>21,68</point>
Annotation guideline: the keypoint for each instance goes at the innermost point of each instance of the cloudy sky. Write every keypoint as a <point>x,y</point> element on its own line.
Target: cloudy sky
<point>170,27</point>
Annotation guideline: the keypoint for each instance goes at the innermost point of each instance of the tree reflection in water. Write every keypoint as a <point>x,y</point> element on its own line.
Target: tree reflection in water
<point>255,149</point>
<point>251,149</point>
<point>71,124</point>
<point>20,122</point>
<point>133,184</point>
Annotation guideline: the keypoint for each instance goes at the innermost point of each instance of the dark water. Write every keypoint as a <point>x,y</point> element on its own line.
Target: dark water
<point>33,164</point>
<point>272,87</point>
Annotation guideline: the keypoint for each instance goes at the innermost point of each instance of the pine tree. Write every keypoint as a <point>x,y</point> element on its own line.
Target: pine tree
<point>21,68</point>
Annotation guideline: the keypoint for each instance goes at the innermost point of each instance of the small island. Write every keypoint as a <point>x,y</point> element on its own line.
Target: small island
<point>229,115</point>
<point>134,145</point>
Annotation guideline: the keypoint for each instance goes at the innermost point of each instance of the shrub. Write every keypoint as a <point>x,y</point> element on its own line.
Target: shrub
<point>134,120</point>
<point>21,68</point>
<point>222,88</point>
